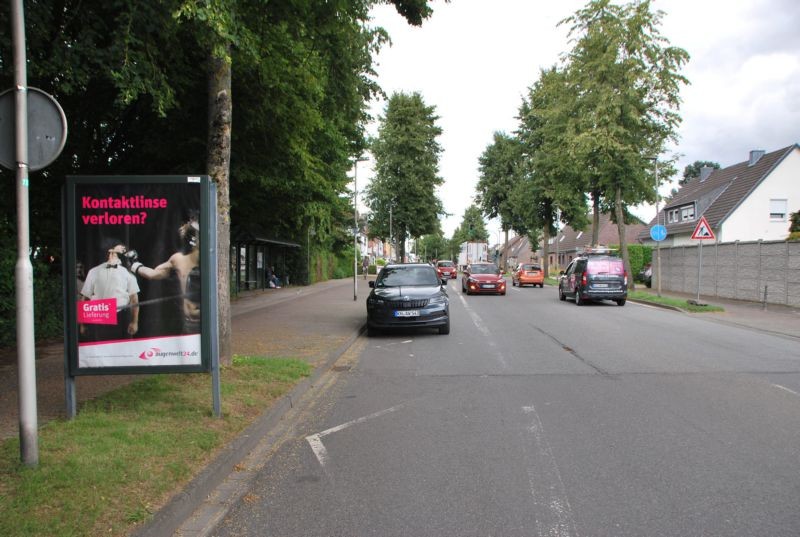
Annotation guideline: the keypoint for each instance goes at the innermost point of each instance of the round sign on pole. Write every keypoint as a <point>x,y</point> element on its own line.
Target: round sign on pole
<point>658,233</point>
<point>47,129</point>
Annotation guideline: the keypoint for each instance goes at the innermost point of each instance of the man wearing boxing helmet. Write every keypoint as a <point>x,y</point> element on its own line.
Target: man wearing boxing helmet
<point>107,280</point>
<point>185,264</point>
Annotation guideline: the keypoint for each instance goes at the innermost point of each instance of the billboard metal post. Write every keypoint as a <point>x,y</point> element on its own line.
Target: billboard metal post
<point>216,381</point>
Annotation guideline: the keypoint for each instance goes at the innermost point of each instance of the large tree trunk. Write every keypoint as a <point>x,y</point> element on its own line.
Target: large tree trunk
<point>546,250</point>
<point>623,244</point>
<point>219,159</point>
<point>401,246</point>
<point>504,255</point>
<point>595,218</point>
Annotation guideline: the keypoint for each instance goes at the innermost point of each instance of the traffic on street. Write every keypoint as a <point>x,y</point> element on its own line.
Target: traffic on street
<point>535,417</point>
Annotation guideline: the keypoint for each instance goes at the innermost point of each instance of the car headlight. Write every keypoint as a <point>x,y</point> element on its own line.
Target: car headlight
<point>374,301</point>
<point>438,299</point>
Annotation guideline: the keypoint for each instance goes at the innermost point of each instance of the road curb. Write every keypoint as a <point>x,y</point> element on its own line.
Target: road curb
<point>184,504</point>
<point>657,305</point>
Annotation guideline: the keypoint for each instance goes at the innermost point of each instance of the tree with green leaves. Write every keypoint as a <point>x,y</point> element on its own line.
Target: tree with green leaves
<point>147,89</point>
<point>499,165</point>
<point>472,227</point>
<point>551,189</point>
<point>434,246</point>
<point>794,227</point>
<point>406,153</point>
<point>627,81</point>
<point>693,170</point>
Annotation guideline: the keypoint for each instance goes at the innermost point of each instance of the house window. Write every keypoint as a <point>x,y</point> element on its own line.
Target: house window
<point>673,216</point>
<point>687,213</point>
<point>777,210</point>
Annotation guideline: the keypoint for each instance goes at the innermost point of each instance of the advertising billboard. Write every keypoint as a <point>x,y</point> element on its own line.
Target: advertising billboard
<point>137,266</point>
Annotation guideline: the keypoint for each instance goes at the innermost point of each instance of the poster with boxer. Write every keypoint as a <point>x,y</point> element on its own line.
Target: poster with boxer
<point>135,262</point>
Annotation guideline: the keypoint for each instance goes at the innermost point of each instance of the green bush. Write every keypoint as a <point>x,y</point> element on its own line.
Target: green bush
<point>343,264</point>
<point>639,255</point>
<point>372,269</point>
<point>380,262</point>
<point>48,296</point>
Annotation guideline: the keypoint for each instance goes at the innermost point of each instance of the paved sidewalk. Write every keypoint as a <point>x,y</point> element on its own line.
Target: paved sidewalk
<point>772,318</point>
<point>316,323</point>
<point>291,321</point>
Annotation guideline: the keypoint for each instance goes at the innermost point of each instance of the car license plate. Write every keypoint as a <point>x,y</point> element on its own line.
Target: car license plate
<point>487,286</point>
<point>406,313</point>
<point>601,285</point>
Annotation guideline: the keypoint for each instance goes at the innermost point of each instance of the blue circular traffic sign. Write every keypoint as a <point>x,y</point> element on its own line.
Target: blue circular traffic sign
<point>658,233</point>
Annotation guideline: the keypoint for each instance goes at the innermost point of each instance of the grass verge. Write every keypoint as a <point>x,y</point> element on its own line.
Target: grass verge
<point>127,452</point>
<point>669,301</point>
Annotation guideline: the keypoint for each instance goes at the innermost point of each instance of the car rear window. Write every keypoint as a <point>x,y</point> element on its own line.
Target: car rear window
<point>485,268</point>
<point>445,263</point>
<point>606,266</point>
<point>531,267</point>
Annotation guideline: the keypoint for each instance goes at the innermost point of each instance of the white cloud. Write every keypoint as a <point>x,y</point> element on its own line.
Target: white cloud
<point>474,61</point>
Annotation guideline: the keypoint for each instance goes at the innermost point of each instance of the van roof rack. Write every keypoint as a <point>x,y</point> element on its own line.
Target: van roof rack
<point>598,250</point>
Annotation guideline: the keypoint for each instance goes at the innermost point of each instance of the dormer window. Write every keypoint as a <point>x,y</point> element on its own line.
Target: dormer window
<point>687,213</point>
<point>673,215</point>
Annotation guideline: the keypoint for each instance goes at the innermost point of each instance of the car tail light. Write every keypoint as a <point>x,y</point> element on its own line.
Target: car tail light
<point>583,279</point>
<point>625,277</point>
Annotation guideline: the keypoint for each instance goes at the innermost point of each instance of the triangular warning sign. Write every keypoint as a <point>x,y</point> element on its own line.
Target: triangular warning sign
<point>703,230</point>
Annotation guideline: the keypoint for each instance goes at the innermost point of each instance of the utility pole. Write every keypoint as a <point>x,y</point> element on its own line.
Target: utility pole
<point>355,226</point>
<point>658,243</point>
<point>26,343</point>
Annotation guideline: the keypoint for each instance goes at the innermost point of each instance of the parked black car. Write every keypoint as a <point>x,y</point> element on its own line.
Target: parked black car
<point>646,275</point>
<point>594,277</point>
<point>409,295</point>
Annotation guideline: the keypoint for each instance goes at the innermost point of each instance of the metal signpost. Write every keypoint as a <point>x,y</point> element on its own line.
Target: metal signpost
<point>33,131</point>
<point>701,233</point>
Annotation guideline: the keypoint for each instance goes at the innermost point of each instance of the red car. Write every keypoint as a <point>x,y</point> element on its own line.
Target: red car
<point>446,269</point>
<point>528,274</point>
<point>483,278</point>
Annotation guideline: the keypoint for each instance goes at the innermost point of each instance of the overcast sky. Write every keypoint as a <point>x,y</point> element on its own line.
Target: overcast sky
<point>475,59</point>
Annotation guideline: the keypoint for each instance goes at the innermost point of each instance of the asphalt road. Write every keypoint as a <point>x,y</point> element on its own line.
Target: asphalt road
<point>537,417</point>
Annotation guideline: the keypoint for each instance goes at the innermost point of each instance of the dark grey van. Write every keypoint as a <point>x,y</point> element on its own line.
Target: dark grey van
<point>594,277</point>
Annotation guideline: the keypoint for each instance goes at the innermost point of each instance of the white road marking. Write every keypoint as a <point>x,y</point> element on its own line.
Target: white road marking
<point>315,440</point>
<point>475,318</point>
<point>786,389</point>
<point>483,329</point>
<point>547,487</point>
<point>394,343</point>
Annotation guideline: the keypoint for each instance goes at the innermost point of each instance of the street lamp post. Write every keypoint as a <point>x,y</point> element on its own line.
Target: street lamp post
<point>558,232</point>
<point>355,226</point>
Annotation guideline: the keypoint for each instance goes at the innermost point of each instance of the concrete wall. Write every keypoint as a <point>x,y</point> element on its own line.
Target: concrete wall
<point>738,270</point>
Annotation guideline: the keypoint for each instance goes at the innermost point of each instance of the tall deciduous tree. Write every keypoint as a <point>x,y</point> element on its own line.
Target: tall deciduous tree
<point>406,155</point>
<point>434,246</point>
<point>552,186</point>
<point>146,87</point>
<point>499,165</point>
<point>693,170</point>
<point>472,227</point>
<point>627,81</point>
